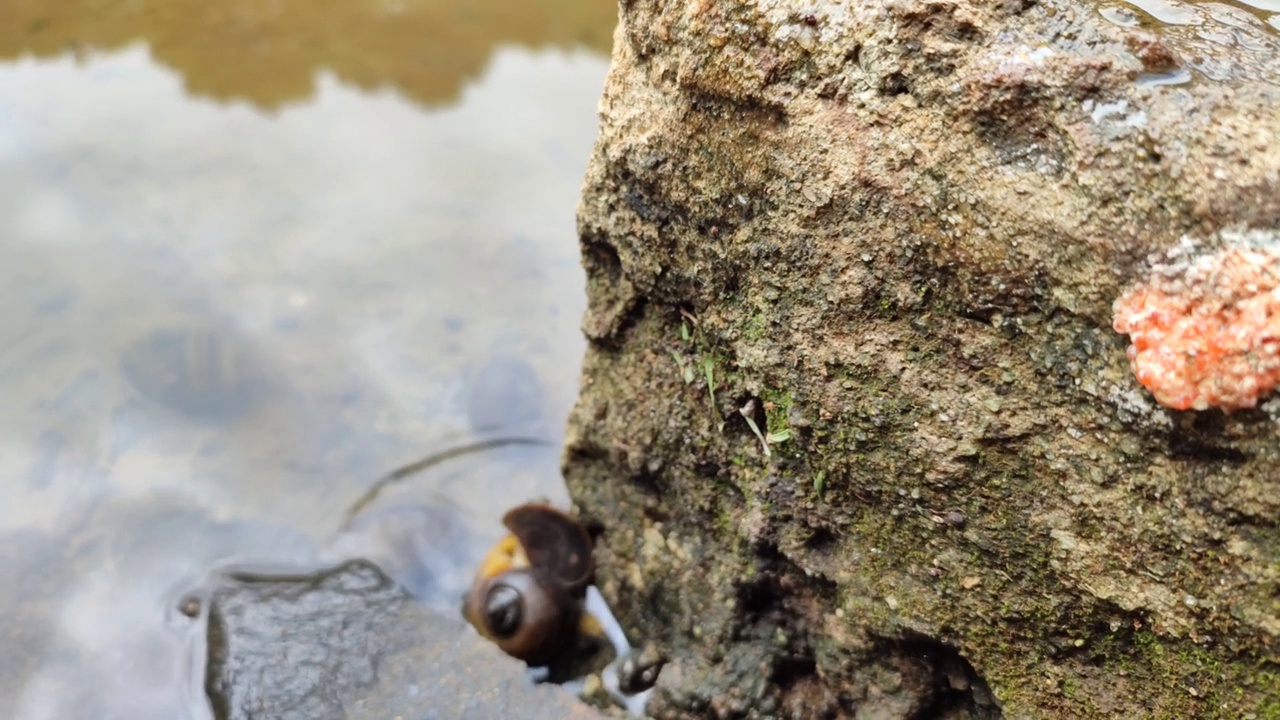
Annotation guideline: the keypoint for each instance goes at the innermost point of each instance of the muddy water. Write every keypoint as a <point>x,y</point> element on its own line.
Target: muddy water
<point>255,255</point>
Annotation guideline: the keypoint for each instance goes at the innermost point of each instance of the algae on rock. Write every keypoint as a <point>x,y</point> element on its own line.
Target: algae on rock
<point>893,231</point>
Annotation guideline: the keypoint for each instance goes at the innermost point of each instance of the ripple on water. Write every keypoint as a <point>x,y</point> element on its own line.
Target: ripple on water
<point>1169,12</point>
<point>1271,6</point>
<point>431,549</point>
<point>111,645</point>
<point>1122,16</point>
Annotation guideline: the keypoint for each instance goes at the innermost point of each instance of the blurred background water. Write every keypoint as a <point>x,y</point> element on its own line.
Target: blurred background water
<point>255,254</point>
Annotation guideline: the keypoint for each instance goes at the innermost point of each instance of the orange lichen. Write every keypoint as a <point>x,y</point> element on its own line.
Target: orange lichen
<point>1206,333</point>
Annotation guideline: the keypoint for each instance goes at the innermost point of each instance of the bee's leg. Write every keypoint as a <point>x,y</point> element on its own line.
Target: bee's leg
<point>538,675</point>
<point>604,623</point>
<point>638,671</point>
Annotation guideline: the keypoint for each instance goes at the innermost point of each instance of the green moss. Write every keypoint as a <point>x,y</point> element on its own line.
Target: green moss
<point>754,330</point>
<point>777,408</point>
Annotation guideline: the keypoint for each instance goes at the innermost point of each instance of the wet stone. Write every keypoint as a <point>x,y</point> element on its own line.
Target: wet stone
<point>504,393</point>
<point>349,643</point>
<point>199,373</point>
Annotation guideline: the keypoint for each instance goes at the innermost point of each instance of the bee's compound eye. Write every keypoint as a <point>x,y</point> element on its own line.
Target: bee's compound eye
<point>527,613</point>
<point>504,611</point>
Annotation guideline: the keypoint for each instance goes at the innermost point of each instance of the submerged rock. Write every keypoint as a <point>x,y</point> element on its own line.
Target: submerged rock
<point>885,238</point>
<point>203,374</point>
<point>349,643</point>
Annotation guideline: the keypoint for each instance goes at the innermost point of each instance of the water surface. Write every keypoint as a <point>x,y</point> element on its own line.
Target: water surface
<point>1232,40</point>
<point>255,255</point>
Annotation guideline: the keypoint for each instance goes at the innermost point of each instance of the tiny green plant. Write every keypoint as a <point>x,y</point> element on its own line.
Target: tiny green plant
<point>709,369</point>
<point>746,411</point>
<point>686,368</point>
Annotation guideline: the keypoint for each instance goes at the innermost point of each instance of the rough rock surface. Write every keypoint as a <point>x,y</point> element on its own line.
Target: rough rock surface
<point>349,643</point>
<point>893,232</point>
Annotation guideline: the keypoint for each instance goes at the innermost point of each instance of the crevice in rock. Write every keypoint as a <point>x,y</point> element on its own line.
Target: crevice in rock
<point>953,687</point>
<point>613,303</point>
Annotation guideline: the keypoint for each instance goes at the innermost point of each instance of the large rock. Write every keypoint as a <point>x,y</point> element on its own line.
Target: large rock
<point>894,231</point>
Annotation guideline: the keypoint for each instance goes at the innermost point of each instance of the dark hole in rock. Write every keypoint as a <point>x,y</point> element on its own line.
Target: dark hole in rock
<point>649,482</point>
<point>894,84</point>
<point>954,687</point>
<point>707,469</point>
<point>1199,436</point>
<point>613,303</point>
<point>820,539</point>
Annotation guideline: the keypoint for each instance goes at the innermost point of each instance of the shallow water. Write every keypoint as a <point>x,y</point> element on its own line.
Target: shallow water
<point>1230,40</point>
<point>1192,12</point>
<point>256,255</point>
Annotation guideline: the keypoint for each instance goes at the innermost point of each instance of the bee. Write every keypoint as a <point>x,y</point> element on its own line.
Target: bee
<point>532,596</point>
<point>528,596</point>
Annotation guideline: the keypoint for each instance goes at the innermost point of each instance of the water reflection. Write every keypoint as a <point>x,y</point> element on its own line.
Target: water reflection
<point>110,642</point>
<point>221,324</point>
<point>269,52</point>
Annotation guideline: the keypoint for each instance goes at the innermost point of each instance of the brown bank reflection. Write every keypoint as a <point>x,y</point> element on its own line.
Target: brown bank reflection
<point>268,51</point>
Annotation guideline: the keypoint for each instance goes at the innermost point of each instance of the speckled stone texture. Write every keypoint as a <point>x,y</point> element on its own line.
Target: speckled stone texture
<point>890,234</point>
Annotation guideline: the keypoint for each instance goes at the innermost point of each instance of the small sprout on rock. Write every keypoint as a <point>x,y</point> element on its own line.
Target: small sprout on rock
<point>780,436</point>
<point>954,518</point>
<point>747,411</point>
<point>709,369</point>
<point>686,369</point>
